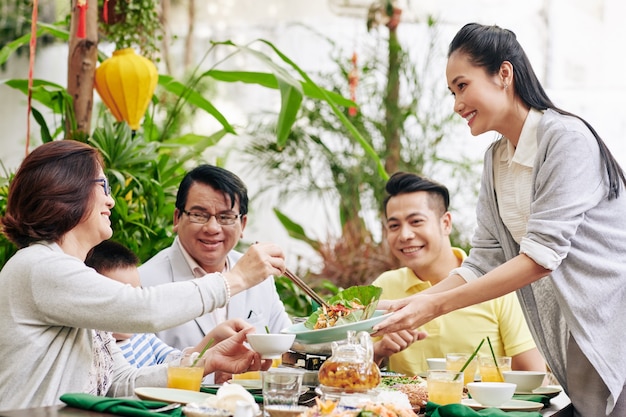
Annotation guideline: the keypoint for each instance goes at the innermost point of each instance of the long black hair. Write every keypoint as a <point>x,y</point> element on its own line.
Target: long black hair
<point>489,46</point>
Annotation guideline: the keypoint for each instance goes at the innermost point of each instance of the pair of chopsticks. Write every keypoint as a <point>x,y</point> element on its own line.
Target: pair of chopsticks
<point>307,290</point>
<point>305,287</point>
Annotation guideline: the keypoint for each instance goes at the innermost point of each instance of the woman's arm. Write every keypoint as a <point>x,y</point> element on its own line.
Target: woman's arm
<point>125,377</point>
<point>531,360</point>
<point>418,309</point>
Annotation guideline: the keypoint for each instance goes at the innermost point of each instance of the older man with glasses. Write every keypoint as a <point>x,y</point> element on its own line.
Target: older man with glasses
<point>209,219</point>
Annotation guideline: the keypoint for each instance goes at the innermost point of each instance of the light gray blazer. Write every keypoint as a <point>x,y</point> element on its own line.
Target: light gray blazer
<point>260,305</point>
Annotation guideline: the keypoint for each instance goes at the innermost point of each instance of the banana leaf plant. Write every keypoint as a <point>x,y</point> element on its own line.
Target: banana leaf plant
<point>287,77</point>
<point>146,166</point>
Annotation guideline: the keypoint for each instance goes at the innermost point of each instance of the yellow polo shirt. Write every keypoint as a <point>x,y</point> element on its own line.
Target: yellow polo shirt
<point>459,331</point>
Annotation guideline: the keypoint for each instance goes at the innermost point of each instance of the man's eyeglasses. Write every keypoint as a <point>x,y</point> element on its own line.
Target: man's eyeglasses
<point>225,219</point>
<point>105,185</point>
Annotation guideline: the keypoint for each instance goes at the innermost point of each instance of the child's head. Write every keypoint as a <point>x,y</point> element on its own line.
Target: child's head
<point>115,261</point>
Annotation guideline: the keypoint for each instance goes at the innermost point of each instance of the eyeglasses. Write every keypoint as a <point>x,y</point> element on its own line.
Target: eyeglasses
<point>225,219</point>
<point>105,185</point>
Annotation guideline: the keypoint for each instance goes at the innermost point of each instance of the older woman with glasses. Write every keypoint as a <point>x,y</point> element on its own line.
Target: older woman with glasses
<point>58,208</point>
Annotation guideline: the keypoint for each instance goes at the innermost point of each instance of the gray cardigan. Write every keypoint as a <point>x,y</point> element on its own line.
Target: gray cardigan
<point>50,301</point>
<point>571,215</point>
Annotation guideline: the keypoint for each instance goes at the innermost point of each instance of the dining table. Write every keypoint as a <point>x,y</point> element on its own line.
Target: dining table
<point>560,406</point>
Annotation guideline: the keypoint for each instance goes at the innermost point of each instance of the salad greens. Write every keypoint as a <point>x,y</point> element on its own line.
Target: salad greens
<point>361,301</point>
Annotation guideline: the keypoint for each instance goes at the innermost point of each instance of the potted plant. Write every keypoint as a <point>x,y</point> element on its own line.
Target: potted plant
<point>131,23</point>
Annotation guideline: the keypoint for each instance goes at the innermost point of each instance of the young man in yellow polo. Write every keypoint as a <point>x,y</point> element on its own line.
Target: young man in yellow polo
<point>418,226</point>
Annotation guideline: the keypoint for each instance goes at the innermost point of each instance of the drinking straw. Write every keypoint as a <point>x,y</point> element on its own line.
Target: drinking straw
<point>204,349</point>
<point>267,330</point>
<point>493,355</point>
<point>472,356</point>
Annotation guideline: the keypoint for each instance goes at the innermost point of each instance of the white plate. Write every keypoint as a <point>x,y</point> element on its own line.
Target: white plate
<point>332,334</point>
<point>549,391</point>
<point>171,395</point>
<point>511,405</point>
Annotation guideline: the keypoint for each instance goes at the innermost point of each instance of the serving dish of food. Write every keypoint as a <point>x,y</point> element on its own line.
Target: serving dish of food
<point>351,309</point>
<point>347,306</point>
<point>330,334</point>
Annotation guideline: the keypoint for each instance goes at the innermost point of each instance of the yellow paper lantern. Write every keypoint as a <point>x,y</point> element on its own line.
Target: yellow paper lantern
<point>126,83</point>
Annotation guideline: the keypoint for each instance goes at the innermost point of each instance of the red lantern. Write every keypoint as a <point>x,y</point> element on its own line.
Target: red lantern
<point>353,80</point>
<point>126,83</point>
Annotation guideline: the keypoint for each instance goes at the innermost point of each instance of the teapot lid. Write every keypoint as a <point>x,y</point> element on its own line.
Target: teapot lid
<point>356,347</point>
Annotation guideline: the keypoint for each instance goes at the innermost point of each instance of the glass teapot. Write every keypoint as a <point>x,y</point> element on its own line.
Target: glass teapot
<point>351,367</point>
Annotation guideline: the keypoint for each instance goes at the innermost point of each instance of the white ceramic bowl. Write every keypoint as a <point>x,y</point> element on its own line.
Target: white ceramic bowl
<point>436,363</point>
<point>491,394</point>
<point>526,381</point>
<point>270,345</point>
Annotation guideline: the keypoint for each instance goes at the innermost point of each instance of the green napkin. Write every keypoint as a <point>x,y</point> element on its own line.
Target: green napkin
<point>460,410</point>
<point>543,399</point>
<point>119,406</point>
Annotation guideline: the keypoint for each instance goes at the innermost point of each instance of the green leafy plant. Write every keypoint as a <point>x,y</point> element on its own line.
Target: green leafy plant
<point>400,117</point>
<point>7,249</point>
<point>144,177</point>
<point>352,299</point>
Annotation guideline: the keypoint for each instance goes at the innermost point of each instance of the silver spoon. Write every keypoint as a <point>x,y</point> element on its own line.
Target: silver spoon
<point>168,407</point>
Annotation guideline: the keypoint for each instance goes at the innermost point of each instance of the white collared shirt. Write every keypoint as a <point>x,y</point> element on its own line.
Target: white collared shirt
<point>219,314</point>
<point>512,173</point>
<point>513,169</point>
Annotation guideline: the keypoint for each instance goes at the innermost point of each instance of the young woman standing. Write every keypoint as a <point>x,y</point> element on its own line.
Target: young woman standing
<point>551,223</point>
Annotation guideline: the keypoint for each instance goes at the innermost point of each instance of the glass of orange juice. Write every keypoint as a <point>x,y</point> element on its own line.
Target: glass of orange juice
<point>488,370</point>
<point>445,387</point>
<point>455,361</point>
<point>184,371</point>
